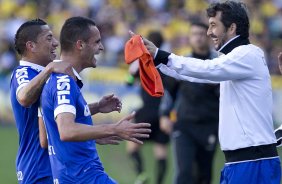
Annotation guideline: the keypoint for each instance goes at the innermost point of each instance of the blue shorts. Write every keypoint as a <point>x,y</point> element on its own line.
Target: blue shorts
<point>267,171</point>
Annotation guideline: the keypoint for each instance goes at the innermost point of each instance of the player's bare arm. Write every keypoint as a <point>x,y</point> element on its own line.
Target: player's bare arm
<point>280,61</point>
<point>69,130</point>
<point>42,133</point>
<point>30,93</point>
<point>108,103</point>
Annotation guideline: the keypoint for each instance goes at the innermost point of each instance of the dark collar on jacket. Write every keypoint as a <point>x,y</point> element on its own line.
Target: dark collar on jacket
<point>236,42</point>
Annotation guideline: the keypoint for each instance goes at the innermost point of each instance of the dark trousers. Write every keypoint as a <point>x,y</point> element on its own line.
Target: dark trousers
<point>193,160</point>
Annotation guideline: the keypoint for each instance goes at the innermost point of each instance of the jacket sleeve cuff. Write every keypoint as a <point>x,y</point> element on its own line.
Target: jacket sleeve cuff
<point>161,57</point>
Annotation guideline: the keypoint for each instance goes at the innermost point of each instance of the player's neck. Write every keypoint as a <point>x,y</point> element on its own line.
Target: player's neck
<point>72,59</point>
<point>33,60</point>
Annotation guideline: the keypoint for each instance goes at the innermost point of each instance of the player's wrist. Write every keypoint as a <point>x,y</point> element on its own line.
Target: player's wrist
<point>99,107</point>
<point>114,131</point>
<point>49,68</point>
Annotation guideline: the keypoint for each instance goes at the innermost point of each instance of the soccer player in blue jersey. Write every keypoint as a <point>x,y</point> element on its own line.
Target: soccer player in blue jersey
<point>36,45</point>
<point>71,133</point>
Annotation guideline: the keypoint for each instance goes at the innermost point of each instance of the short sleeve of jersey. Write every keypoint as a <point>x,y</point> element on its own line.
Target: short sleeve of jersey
<point>65,92</point>
<point>39,112</point>
<point>22,76</point>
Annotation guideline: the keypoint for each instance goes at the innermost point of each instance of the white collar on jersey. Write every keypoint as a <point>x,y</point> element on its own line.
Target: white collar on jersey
<point>37,67</point>
<point>76,74</point>
<point>74,71</point>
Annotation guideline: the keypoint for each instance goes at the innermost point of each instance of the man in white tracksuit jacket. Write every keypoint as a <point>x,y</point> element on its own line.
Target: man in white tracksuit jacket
<point>246,131</point>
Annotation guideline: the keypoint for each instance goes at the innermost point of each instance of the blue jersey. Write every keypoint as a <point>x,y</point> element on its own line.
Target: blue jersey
<point>32,162</point>
<point>71,162</point>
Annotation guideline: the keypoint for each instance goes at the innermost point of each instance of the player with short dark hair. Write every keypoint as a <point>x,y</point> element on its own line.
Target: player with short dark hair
<point>67,116</point>
<point>36,45</point>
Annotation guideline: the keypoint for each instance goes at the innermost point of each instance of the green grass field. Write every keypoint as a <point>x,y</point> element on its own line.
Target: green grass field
<point>114,158</point>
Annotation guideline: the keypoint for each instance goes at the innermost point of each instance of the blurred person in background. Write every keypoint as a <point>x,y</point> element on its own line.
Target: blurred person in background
<point>194,133</point>
<point>8,59</point>
<point>149,112</point>
<point>35,43</point>
<point>72,137</point>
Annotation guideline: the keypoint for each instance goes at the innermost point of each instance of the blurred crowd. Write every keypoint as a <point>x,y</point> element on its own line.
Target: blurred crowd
<point>115,17</point>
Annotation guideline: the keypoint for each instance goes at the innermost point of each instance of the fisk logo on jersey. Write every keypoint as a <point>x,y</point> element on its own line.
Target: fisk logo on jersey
<point>63,87</point>
<point>22,75</point>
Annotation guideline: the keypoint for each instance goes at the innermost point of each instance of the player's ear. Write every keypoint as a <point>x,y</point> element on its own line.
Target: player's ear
<point>30,46</point>
<point>80,44</point>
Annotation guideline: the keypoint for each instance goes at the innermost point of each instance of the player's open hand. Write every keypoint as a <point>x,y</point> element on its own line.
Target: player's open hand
<point>61,67</point>
<point>132,131</point>
<point>113,140</point>
<point>280,61</point>
<point>109,103</point>
<point>148,44</point>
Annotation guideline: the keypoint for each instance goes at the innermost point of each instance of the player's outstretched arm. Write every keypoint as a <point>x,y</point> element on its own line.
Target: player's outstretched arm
<point>30,93</point>
<point>42,133</point>
<point>69,130</point>
<point>108,103</point>
<point>280,61</point>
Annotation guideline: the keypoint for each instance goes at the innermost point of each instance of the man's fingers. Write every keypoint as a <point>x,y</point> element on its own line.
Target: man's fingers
<point>143,130</point>
<point>146,42</point>
<point>136,141</point>
<point>143,125</point>
<point>116,138</point>
<point>131,33</point>
<point>109,96</point>
<point>137,135</point>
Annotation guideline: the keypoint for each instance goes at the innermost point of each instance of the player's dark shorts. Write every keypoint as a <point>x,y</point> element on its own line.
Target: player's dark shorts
<point>147,116</point>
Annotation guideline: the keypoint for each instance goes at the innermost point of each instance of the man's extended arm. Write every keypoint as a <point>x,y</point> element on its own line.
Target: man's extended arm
<point>232,66</point>
<point>69,130</point>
